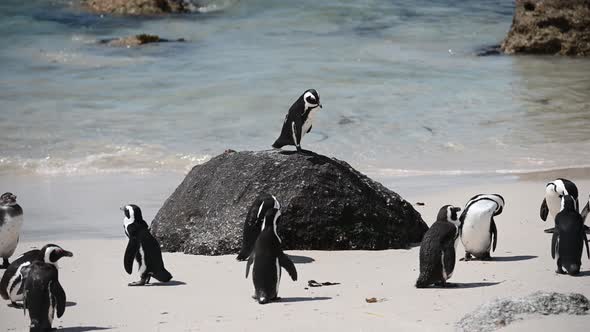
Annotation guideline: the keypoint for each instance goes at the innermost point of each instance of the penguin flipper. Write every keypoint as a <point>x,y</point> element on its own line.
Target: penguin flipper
<point>494,232</point>
<point>60,297</point>
<point>554,244</point>
<point>288,265</point>
<point>308,130</point>
<point>585,211</point>
<point>585,239</point>
<point>130,252</point>
<point>250,261</point>
<point>4,285</point>
<point>296,126</point>
<point>544,210</point>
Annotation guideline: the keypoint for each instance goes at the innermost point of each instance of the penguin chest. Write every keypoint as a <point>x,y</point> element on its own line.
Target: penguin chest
<point>308,122</point>
<point>475,235</point>
<point>9,234</point>
<point>141,260</point>
<point>554,206</point>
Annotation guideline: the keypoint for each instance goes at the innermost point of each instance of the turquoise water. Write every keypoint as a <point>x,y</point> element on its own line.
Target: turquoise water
<point>402,89</point>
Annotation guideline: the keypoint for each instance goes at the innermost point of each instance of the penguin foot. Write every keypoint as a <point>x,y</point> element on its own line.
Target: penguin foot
<point>549,230</point>
<point>449,285</point>
<point>486,257</point>
<point>5,264</point>
<point>141,282</point>
<point>467,257</point>
<point>559,271</point>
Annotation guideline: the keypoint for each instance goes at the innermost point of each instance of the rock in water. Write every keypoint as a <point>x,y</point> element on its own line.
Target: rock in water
<point>325,204</point>
<point>499,313</point>
<point>136,7</point>
<point>549,27</point>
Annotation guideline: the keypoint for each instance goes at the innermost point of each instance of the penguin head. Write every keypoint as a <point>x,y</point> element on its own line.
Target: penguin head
<point>132,212</point>
<point>497,198</point>
<point>449,213</point>
<point>311,100</point>
<point>269,202</point>
<point>556,188</point>
<point>568,203</point>
<point>8,199</point>
<point>500,201</point>
<point>52,253</point>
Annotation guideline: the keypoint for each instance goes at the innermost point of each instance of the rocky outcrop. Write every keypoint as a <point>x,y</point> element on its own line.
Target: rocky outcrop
<point>550,27</point>
<point>325,205</point>
<point>137,40</point>
<point>499,313</point>
<point>136,7</point>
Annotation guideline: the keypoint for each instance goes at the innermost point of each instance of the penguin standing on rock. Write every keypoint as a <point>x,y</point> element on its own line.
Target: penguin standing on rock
<point>551,204</point>
<point>12,280</point>
<point>11,221</point>
<point>298,121</point>
<point>253,223</point>
<point>268,258</point>
<point>43,296</point>
<point>479,234</point>
<point>143,248</point>
<point>437,249</point>
<point>569,238</point>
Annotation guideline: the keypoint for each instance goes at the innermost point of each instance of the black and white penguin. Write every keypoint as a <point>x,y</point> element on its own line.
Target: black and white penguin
<point>478,230</point>
<point>142,247</point>
<point>437,249</point>
<point>569,238</point>
<point>268,258</point>
<point>43,296</point>
<point>253,223</point>
<point>551,204</point>
<point>12,280</point>
<point>11,221</point>
<point>298,121</point>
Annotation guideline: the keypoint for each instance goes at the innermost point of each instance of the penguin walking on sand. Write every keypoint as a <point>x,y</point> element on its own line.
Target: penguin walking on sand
<point>298,121</point>
<point>253,223</point>
<point>478,229</point>
<point>267,260</point>
<point>437,249</point>
<point>551,204</point>
<point>43,296</point>
<point>11,221</point>
<point>569,238</point>
<point>143,248</point>
<point>11,284</point>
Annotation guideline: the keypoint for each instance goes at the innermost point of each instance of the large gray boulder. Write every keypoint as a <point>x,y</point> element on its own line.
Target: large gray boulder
<point>549,27</point>
<point>325,204</point>
<point>501,312</point>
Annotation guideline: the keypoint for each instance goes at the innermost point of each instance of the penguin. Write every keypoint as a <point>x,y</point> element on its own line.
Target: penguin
<point>253,223</point>
<point>11,221</point>
<point>43,296</point>
<point>551,204</point>
<point>267,260</point>
<point>12,280</point>
<point>437,250</point>
<point>298,121</point>
<point>142,247</point>
<point>569,238</point>
<point>478,230</point>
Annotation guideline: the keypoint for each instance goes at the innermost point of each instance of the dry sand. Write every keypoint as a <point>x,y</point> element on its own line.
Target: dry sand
<point>211,293</point>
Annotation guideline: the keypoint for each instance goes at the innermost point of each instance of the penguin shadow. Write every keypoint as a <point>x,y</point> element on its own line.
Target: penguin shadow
<point>583,274</point>
<point>82,328</point>
<point>20,306</point>
<point>467,285</point>
<point>302,152</point>
<point>516,258</point>
<point>302,299</point>
<point>301,259</point>
<point>171,283</point>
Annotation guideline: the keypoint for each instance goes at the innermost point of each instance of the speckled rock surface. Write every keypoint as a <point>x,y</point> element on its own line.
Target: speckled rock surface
<point>326,205</point>
<point>549,27</point>
<point>501,312</point>
<point>136,7</point>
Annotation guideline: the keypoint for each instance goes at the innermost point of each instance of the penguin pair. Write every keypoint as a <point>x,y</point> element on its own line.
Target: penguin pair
<point>266,256</point>
<point>11,284</point>
<point>569,237</point>
<point>479,234</point>
<point>143,248</point>
<point>551,205</point>
<point>298,121</point>
<point>11,220</point>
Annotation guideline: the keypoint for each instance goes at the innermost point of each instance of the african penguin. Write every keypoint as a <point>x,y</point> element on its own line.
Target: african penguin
<point>43,296</point>
<point>478,229</point>
<point>298,120</point>
<point>11,221</point>
<point>569,238</point>
<point>142,247</point>
<point>551,204</point>
<point>268,258</point>
<point>253,222</point>
<point>437,249</point>
<point>12,280</point>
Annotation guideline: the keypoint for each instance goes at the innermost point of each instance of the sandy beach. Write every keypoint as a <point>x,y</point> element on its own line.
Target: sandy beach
<point>211,293</point>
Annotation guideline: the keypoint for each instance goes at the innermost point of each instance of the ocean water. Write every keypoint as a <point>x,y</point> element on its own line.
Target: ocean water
<point>405,97</point>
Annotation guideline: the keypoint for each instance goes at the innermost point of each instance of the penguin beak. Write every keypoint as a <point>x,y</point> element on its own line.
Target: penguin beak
<point>320,105</point>
<point>66,253</point>
<point>122,208</point>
